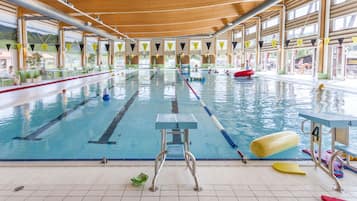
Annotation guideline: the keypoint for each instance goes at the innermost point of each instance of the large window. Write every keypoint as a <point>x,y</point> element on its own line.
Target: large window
<point>251,30</point>
<point>92,47</point>
<point>144,54</point>
<point>104,53</point>
<point>345,22</point>
<point>303,10</point>
<point>301,61</point>
<point>195,51</point>
<point>270,22</point>
<point>221,58</point>
<point>119,52</point>
<point>7,36</point>
<point>73,51</point>
<point>270,38</point>
<point>42,39</point>
<point>270,61</point>
<point>170,54</point>
<point>308,30</point>
<point>338,1</point>
<point>237,35</point>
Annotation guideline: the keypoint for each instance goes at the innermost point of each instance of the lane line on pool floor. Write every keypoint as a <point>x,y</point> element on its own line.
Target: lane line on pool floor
<point>104,139</point>
<point>215,120</point>
<point>176,139</point>
<point>34,135</point>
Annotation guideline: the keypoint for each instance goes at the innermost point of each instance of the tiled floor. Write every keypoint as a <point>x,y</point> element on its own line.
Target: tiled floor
<point>221,181</point>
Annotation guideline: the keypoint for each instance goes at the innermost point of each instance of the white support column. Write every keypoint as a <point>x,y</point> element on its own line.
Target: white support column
<point>324,27</point>
<point>22,40</point>
<point>243,47</point>
<point>84,51</point>
<point>62,47</point>
<point>282,27</point>
<point>258,49</point>
<point>99,52</point>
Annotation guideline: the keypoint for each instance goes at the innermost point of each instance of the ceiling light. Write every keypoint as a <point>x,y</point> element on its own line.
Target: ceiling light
<point>88,23</point>
<point>229,24</point>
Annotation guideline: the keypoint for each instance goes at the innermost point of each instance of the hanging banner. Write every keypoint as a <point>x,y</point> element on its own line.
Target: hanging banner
<point>169,45</point>
<point>145,46</point>
<point>157,45</point>
<point>221,44</point>
<point>18,46</point>
<point>120,46</point>
<point>195,45</point>
<point>274,43</point>
<point>107,46</point>
<point>95,46</point>
<point>313,42</point>
<point>354,40</point>
<point>299,42</point>
<point>8,46</point>
<point>132,46</point>
<point>44,47</point>
<point>81,46</point>
<point>234,43</point>
<point>340,41</point>
<point>287,43</point>
<point>182,45</point>
<point>208,44</point>
<point>32,46</point>
<point>327,41</point>
<point>261,43</point>
<point>247,44</point>
<point>57,46</point>
<point>68,46</point>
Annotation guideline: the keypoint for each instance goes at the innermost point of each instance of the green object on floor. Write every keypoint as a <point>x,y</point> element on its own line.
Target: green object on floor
<point>139,180</point>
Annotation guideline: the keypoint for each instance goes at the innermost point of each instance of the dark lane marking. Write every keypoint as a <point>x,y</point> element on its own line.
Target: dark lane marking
<point>176,139</point>
<point>35,134</point>
<point>104,139</point>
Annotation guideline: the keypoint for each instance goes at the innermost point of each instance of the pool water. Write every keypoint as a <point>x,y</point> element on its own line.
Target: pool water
<point>79,125</point>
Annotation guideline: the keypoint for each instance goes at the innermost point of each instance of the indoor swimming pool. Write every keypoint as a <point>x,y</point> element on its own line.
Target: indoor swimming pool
<point>78,125</point>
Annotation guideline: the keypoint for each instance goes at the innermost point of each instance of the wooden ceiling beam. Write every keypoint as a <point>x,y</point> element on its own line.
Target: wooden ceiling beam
<point>172,27</point>
<point>140,6</point>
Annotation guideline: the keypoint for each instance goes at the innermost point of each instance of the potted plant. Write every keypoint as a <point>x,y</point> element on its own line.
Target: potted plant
<point>36,76</point>
<point>28,77</point>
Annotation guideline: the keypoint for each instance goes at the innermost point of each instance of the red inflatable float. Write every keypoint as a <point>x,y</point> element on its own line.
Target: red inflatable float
<point>245,73</point>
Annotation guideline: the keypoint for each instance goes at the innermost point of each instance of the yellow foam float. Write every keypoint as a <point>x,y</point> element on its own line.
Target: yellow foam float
<point>274,143</point>
<point>288,168</point>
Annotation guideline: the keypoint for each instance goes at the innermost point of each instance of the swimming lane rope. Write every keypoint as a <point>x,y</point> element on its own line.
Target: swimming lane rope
<point>216,121</point>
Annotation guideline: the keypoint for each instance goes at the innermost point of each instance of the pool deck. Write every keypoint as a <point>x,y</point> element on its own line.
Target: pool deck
<point>221,181</point>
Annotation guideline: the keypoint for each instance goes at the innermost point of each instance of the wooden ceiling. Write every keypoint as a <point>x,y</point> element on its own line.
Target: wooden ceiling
<point>159,18</point>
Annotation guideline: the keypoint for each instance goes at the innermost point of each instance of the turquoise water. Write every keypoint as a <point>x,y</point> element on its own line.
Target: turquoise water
<point>61,126</point>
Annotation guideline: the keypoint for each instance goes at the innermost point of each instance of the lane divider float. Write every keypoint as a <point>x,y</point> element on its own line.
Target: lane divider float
<point>216,121</point>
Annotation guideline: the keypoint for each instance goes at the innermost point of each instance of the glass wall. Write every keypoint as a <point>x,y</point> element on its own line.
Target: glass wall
<point>221,58</point>
<point>343,60</point>
<point>300,61</point>
<point>251,59</point>
<point>72,51</point>
<point>270,60</point>
<point>144,54</point>
<point>92,47</point>
<point>119,52</point>
<point>104,53</point>
<point>170,52</point>
<point>8,38</point>
<point>42,39</point>
<point>195,52</point>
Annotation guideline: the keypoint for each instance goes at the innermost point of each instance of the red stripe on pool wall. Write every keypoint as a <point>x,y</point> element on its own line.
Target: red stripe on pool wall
<point>48,83</point>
